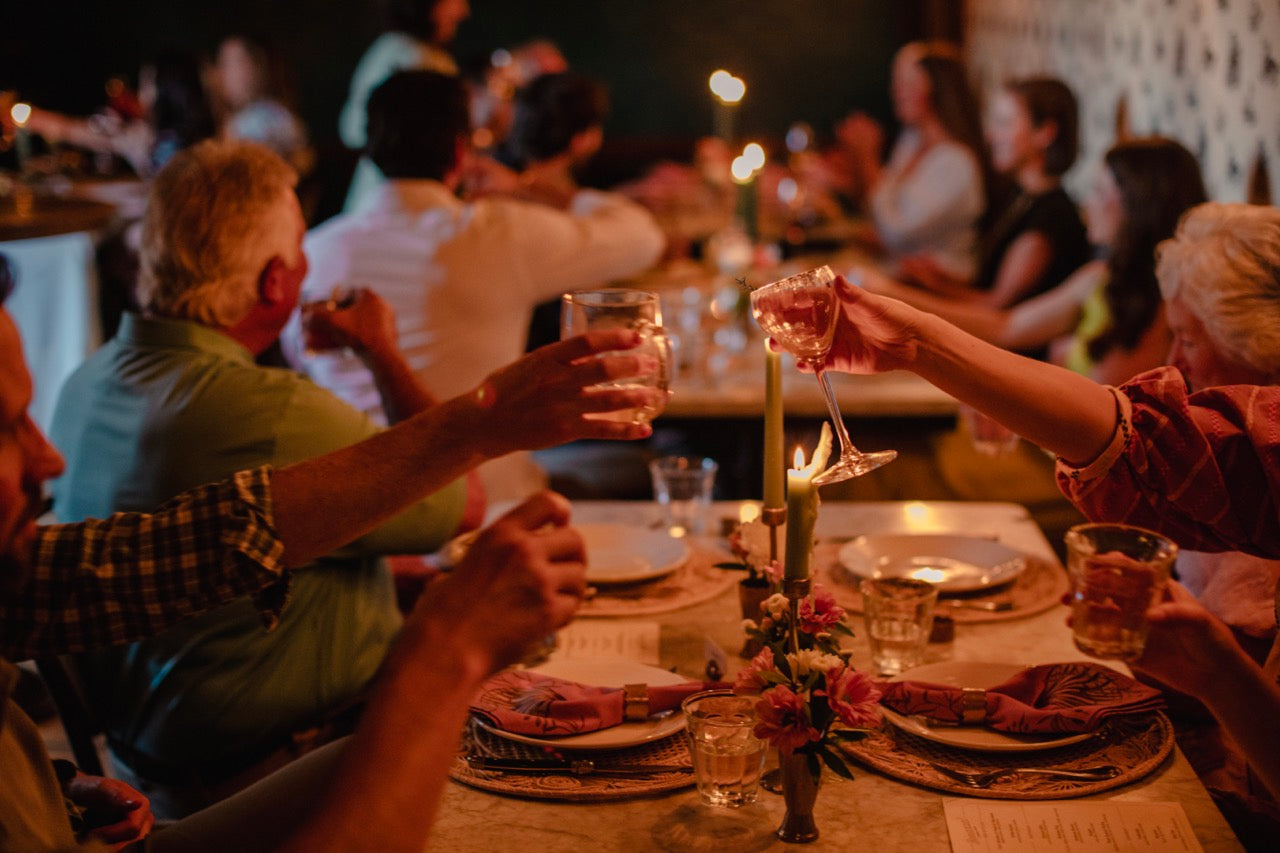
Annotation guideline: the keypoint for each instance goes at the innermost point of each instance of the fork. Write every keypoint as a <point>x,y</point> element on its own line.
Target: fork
<point>984,779</point>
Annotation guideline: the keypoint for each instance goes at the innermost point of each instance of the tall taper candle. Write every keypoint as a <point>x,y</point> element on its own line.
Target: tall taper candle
<point>774,464</point>
<point>802,507</point>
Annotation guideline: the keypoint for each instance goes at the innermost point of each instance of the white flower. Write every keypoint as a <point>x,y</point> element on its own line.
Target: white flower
<point>811,660</point>
<point>753,541</point>
<point>750,625</point>
<point>776,605</point>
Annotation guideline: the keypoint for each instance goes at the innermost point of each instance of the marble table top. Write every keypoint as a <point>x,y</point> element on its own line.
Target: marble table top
<point>870,813</point>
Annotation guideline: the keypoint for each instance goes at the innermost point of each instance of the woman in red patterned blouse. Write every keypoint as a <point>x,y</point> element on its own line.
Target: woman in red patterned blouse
<point>1202,466</point>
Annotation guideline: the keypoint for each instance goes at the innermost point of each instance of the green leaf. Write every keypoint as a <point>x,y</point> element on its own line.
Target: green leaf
<point>814,766</point>
<point>772,677</point>
<point>836,764</point>
<point>841,628</point>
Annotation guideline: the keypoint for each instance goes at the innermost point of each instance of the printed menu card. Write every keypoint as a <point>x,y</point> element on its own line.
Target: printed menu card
<point>1082,826</point>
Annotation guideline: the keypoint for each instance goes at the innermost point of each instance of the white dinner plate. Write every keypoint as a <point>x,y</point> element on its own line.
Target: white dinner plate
<point>624,553</point>
<point>976,738</point>
<point>606,673</point>
<point>950,562</point>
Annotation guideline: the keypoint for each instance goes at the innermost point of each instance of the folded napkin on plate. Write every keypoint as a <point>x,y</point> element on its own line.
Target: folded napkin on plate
<point>1065,698</point>
<point>527,703</point>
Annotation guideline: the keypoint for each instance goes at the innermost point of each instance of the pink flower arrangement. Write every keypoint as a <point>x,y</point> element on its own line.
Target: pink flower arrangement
<point>810,697</point>
<point>784,719</point>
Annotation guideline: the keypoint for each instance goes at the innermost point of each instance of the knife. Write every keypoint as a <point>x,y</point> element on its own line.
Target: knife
<point>569,766</point>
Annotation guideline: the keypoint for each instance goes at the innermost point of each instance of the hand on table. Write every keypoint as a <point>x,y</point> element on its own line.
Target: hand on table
<point>529,570</point>
<point>114,812</point>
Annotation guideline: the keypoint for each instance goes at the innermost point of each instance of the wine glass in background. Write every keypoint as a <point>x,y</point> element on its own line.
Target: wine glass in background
<point>799,312</point>
<point>587,310</point>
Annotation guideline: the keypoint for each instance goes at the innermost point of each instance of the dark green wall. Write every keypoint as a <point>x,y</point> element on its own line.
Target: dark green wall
<point>802,59</point>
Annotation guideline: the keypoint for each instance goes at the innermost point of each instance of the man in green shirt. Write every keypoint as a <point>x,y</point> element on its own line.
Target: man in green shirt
<point>175,400</point>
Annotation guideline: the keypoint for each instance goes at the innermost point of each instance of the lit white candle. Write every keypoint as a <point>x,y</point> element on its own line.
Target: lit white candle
<point>802,507</point>
<point>21,114</point>
<point>728,91</point>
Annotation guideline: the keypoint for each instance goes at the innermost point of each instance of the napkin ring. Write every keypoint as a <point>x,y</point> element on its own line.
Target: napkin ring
<point>973,708</point>
<point>635,702</point>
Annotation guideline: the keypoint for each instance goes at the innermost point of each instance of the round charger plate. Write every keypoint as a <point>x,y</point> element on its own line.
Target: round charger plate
<point>1137,744</point>
<point>977,738</point>
<point>951,563</point>
<point>624,553</point>
<point>605,673</point>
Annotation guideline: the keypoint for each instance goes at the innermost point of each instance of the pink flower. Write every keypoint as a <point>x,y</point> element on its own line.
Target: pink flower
<point>819,611</point>
<point>773,571</point>
<point>783,719</point>
<point>853,696</point>
<point>749,680</point>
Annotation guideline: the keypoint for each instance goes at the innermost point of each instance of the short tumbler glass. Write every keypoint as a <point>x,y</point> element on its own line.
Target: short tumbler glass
<point>727,756</point>
<point>899,616</point>
<point>1117,574</point>
<point>683,486</point>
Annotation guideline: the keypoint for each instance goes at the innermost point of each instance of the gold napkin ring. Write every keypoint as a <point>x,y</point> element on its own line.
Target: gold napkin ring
<point>635,702</point>
<point>973,706</point>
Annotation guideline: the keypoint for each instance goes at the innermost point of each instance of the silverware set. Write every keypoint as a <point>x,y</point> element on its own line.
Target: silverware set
<point>568,767</point>
<point>985,779</point>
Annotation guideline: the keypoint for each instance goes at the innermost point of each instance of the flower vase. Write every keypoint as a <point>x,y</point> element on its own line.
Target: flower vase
<point>799,791</point>
<point>752,592</point>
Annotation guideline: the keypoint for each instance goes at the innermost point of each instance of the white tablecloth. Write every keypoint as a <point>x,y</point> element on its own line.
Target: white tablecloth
<point>55,304</point>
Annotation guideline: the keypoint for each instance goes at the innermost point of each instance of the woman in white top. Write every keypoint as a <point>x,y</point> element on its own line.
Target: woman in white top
<point>930,196</point>
<point>415,37</point>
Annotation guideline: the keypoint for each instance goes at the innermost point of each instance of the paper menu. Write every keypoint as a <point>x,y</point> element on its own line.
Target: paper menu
<point>606,638</point>
<point>1083,826</point>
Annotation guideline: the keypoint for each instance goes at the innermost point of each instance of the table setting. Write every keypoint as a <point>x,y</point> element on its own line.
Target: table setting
<point>846,718</point>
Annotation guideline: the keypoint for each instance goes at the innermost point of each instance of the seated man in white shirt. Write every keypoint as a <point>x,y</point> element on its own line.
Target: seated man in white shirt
<point>462,277</point>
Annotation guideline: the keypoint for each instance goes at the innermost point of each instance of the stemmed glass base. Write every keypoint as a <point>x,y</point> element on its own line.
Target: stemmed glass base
<point>852,462</point>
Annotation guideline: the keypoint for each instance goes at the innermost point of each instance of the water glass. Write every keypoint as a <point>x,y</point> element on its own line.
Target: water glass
<point>1117,574</point>
<point>727,756</point>
<point>682,486</point>
<point>587,310</point>
<point>899,617</point>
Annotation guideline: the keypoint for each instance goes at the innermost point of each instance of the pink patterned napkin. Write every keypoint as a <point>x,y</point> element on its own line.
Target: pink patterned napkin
<point>1064,698</point>
<point>527,703</point>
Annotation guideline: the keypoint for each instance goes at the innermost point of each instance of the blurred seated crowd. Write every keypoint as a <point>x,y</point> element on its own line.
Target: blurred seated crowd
<point>245,358</point>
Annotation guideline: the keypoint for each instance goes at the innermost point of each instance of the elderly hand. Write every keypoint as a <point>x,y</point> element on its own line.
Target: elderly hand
<point>1186,644</point>
<point>365,323</point>
<point>523,578</point>
<point>114,812</point>
<point>540,399</point>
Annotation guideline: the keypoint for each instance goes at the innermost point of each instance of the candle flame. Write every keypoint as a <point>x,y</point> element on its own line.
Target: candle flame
<point>741,170</point>
<point>20,113</point>
<point>753,153</point>
<point>818,462</point>
<point>748,512</point>
<point>726,87</point>
<point>798,460</point>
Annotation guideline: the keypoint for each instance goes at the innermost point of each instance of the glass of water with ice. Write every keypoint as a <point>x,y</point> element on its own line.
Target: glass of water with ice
<point>727,757</point>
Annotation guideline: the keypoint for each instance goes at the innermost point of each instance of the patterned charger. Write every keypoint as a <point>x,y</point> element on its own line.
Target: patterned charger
<point>1040,586</point>
<point>696,581</point>
<point>1137,744</point>
<point>590,788</point>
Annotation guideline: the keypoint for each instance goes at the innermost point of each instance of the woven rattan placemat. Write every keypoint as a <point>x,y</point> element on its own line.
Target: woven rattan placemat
<point>1136,744</point>
<point>697,580</point>
<point>566,786</point>
<point>1040,586</point>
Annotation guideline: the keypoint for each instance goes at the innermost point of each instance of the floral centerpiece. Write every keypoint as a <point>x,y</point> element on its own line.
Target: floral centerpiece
<point>810,697</point>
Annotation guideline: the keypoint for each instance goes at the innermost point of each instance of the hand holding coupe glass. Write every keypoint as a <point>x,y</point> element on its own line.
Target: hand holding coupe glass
<point>799,313</point>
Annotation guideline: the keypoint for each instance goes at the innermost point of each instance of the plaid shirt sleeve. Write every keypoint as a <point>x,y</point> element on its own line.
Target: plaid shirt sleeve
<point>1203,468</point>
<point>102,582</point>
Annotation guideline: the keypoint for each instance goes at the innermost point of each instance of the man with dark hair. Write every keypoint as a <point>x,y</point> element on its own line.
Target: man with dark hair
<point>559,121</point>
<point>462,277</point>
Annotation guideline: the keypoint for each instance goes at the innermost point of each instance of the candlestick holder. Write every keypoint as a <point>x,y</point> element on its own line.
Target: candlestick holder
<point>774,517</point>
<point>796,589</point>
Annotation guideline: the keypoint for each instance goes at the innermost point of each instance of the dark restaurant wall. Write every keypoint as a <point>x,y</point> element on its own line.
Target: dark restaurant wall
<point>802,59</point>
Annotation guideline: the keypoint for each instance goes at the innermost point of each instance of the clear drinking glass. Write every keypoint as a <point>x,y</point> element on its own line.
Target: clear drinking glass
<point>1117,574</point>
<point>800,313</point>
<point>727,756</point>
<point>586,310</point>
<point>683,486</point>
<point>899,614</point>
